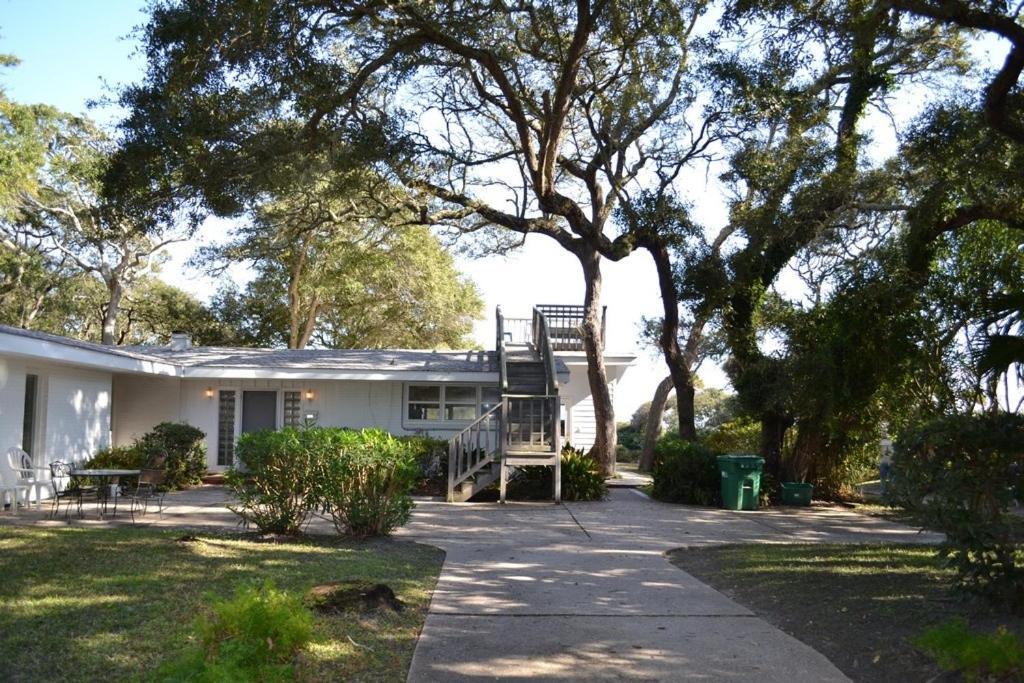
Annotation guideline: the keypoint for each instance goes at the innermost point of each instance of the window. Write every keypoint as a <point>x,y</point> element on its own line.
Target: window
<point>424,403</point>
<point>28,422</point>
<point>460,403</point>
<point>489,397</point>
<point>226,429</point>
<point>292,409</point>
<point>448,403</point>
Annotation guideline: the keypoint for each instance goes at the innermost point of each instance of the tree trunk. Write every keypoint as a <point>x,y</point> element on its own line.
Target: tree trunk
<point>309,325</point>
<point>116,291</point>
<point>679,366</point>
<point>593,343</point>
<point>652,430</point>
<point>773,430</point>
<point>295,323</point>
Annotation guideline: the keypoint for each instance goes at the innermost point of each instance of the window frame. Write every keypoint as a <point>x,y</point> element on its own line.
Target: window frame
<point>442,404</point>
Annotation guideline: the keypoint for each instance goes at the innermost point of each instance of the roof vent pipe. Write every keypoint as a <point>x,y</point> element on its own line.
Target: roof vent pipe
<point>180,341</point>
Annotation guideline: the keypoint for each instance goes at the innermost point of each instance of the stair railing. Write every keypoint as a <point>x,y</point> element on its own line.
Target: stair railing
<point>542,342</point>
<point>499,348</point>
<point>473,448</point>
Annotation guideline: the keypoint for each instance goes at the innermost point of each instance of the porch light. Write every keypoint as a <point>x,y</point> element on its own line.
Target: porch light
<point>209,392</point>
<point>310,395</point>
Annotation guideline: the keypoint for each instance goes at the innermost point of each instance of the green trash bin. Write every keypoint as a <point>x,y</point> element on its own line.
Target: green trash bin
<point>741,481</point>
<point>796,493</point>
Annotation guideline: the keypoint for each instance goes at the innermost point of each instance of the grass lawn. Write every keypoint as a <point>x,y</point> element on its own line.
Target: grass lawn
<point>106,604</point>
<point>860,606</point>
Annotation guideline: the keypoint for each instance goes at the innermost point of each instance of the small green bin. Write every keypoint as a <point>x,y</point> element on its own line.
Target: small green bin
<point>794,493</point>
<point>741,481</point>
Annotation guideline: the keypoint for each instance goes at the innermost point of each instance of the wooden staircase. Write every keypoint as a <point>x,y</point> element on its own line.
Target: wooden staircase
<point>524,428</point>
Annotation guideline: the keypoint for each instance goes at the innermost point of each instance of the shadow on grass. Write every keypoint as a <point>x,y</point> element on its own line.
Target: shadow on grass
<point>859,605</point>
<point>88,604</point>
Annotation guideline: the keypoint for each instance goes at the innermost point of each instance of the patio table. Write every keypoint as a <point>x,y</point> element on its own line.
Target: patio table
<point>105,480</point>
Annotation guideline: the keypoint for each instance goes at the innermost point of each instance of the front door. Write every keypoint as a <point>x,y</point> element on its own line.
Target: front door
<point>259,411</point>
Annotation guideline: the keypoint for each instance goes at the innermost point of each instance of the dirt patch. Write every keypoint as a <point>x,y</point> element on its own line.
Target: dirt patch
<point>338,597</point>
<point>860,606</point>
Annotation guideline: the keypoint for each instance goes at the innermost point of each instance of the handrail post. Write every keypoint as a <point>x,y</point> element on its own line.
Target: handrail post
<point>451,469</point>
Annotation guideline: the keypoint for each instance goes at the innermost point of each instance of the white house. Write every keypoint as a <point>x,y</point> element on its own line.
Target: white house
<point>64,399</point>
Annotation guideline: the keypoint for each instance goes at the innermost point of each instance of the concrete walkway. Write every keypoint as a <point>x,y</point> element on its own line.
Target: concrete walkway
<point>583,591</point>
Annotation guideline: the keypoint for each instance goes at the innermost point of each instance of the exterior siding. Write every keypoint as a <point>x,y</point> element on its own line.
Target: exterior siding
<point>142,402</point>
<point>581,430</point>
<point>74,409</point>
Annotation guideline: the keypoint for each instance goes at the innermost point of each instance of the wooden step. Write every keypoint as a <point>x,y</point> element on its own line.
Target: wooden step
<point>477,483</point>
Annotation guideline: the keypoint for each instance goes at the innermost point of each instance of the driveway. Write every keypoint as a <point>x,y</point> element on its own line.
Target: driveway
<point>583,591</point>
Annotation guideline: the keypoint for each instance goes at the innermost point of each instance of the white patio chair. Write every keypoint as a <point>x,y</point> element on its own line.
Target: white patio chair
<point>26,474</point>
<point>11,491</point>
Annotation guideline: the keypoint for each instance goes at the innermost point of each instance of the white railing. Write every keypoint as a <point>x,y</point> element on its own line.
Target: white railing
<point>518,331</point>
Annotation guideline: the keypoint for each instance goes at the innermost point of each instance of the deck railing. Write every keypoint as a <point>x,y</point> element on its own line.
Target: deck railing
<point>531,424</point>
<point>518,331</point>
<point>474,447</point>
<point>565,325</point>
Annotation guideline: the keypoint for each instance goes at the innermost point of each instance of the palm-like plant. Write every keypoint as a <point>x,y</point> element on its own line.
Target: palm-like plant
<point>1004,348</point>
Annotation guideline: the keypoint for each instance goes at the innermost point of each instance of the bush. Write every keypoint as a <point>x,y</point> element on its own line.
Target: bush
<point>741,435</point>
<point>957,474</point>
<point>431,455</point>
<point>367,485</point>
<point>279,476</point>
<point>184,448</point>
<point>361,477</point>
<point>581,479</point>
<point>977,656</point>
<point>581,476</point>
<point>118,457</point>
<point>685,472</point>
<point>623,454</point>
<point>254,636</point>
<point>629,437</point>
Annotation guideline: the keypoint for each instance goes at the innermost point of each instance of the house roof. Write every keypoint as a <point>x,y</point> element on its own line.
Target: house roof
<point>396,360</point>
<point>220,362</point>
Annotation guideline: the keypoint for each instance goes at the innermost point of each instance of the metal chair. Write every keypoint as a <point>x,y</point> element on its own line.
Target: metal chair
<point>26,473</point>
<point>149,489</point>
<point>64,489</point>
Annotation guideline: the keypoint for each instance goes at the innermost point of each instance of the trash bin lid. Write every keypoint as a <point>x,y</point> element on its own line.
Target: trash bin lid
<point>741,461</point>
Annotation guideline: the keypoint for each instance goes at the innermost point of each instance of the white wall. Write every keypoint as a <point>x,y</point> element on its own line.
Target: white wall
<point>581,430</point>
<point>140,402</point>
<point>73,409</point>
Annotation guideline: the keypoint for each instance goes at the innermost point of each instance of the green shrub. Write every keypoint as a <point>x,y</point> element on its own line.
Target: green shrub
<point>741,435</point>
<point>363,478</point>
<point>629,437</point>
<point>685,472</point>
<point>253,636</point>
<point>977,656</point>
<point>430,454</point>
<point>118,457</point>
<point>955,474</point>
<point>279,476</point>
<point>623,454</point>
<point>367,485</point>
<point>184,448</point>
<point>581,476</point>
